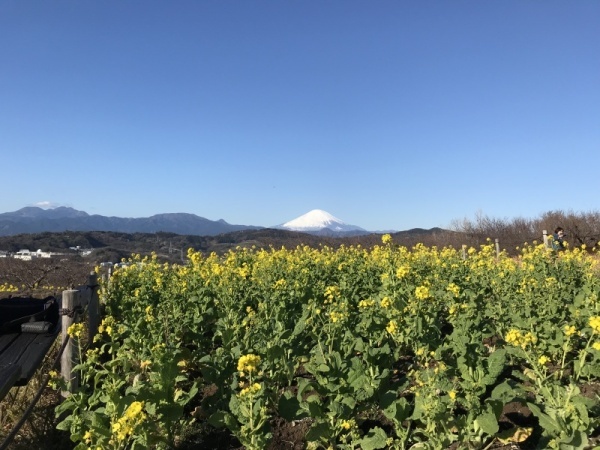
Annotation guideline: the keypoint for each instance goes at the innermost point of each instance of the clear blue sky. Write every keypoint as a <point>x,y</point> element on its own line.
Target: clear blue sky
<point>386,114</point>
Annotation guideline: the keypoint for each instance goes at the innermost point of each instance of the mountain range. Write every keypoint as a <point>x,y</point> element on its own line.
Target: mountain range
<point>33,219</point>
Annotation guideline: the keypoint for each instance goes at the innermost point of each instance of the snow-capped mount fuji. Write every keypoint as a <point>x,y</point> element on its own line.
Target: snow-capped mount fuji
<point>321,222</point>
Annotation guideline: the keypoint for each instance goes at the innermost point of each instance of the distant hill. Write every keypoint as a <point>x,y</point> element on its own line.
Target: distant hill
<point>112,246</point>
<point>38,220</point>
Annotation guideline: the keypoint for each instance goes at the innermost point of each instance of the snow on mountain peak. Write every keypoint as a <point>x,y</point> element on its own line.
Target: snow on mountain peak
<point>316,220</point>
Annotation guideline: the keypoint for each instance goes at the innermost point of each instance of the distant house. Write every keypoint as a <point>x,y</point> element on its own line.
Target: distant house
<point>23,254</point>
<point>28,255</point>
<point>82,251</point>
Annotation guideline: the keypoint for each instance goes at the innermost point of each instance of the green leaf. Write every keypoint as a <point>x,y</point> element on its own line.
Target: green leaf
<point>579,441</point>
<point>275,353</point>
<point>495,407</point>
<point>495,365</point>
<point>65,425</point>
<point>375,438</point>
<point>504,392</point>
<point>349,401</point>
<point>289,408</point>
<point>234,405</point>
<point>318,432</point>
<point>359,345</point>
<point>222,419</point>
<point>314,409</point>
<point>339,409</point>
<point>323,368</point>
<point>488,423</point>
<point>398,411</point>
<point>387,398</point>
<point>150,408</point>
<point>546,422</point>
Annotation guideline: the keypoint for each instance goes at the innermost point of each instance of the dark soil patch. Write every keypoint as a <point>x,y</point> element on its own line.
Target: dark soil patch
<point>288,435</point>
<point>590,390</point>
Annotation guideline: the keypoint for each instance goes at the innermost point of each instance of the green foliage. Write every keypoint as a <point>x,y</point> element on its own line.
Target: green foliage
<point>374,348</point>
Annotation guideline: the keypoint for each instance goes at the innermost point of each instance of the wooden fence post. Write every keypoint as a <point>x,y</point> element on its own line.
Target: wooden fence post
<point>464,252</point>
<point>545,234</point>
<point>93,307</point>
<point>71,299</point>
<point>497,248</point>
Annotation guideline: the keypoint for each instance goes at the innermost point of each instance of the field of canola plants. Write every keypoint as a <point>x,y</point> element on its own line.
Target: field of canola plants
<point>375,348</point>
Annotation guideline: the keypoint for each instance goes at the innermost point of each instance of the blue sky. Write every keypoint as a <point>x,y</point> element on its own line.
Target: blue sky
<point>386,114</point>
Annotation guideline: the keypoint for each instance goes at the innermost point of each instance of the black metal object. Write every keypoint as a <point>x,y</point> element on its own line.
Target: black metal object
<point>28,328</point>
<point>18,310</point>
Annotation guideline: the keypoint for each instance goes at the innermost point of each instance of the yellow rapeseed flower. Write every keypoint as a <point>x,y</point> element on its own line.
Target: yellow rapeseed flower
<point>595,323</point>
<point>335,316</point>
<point>347,424</point>
<point>250,390</point>
<point>248,363</point>
<point>391,327</point>
<point>75,330</point>
<point>402,271</point>
<point>454,289</point>
<point>145,364</point>
<point>422,292</point>
<point>385,302</point>
<point>570,330</point>
<point>125,426</point>
<point>518,339</point>
<point>366,303</point>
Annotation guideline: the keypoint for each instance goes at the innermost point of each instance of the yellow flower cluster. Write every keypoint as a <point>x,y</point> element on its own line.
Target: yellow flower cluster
<point>348,424</point>
<point>54,379</point>
<point>145,364</point>
<point>336,316</point>
<point>75,330</point>
<point>134,415</point>
<point>149,315</point>
<point>280,284</point>
<point>107,325</point>
<point>331,292</point>
<point>386,238</point>
<point>391,327</point>
<point>542,360</point>
<point>519,339</point>
<point>595,323</point>
<point>454,289</point>
<point>422,292</point>
<point>386,302</point>
<point>244,271</point>
<point>250,390</point>
<point>570,330</point>
<point>248,363</point>
<point>402,271</point>
<point>7,287</point>
<point>366,303</point>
